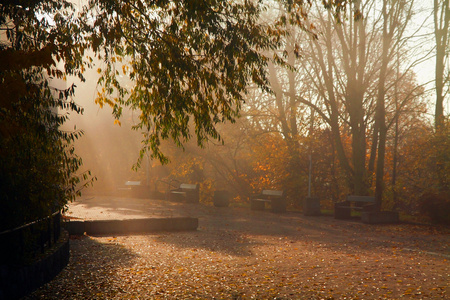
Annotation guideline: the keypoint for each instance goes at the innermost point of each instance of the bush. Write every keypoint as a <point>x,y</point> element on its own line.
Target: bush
<point>436,207</point>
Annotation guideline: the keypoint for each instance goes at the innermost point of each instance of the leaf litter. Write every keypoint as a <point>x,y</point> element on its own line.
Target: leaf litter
<point>238,255</point>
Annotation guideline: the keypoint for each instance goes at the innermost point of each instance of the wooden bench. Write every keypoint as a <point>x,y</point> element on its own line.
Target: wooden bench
<point>185,193</point>
<point>342,210</point>
<point>133,189</point>
<point>129,185</point>
<point>275,198</point>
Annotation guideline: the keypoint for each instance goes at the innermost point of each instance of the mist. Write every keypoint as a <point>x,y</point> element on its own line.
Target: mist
<point>108,150</point>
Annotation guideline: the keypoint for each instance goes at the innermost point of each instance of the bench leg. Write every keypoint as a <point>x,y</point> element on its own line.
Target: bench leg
<point>278,206</point>
<point>342,212</point>
<point>177,197</point>
<point>192,197</point>
<point>257,205</point>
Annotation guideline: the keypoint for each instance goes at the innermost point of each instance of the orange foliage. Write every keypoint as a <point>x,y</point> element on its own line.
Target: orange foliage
<point>269,160</point>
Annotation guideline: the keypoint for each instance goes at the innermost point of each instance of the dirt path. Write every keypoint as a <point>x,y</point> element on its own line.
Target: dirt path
<point>240,254</point>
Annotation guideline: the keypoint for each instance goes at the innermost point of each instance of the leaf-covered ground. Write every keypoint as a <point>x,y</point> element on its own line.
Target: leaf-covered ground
<point>240,254</point>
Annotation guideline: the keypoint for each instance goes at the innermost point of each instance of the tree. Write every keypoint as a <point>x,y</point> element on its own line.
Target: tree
<point>395,17</point>
<point>188,60</point>
<point>37,159</point>
<point>341,67</point>
<point>349,60</point>
<point>231,163</point>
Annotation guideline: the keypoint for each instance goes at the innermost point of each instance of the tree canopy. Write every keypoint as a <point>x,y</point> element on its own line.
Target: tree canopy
<point>190,62</point>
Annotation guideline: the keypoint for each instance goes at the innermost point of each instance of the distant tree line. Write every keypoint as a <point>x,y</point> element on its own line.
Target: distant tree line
<point>349,100</point>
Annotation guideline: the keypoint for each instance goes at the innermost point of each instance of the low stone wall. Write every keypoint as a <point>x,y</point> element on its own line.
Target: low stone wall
<point>380,217</point>
<point>18,281</point>
<point>103,227</point>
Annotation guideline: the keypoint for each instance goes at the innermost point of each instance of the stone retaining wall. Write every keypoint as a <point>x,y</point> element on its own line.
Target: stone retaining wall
<point>18,281</point>
<point>104,227</point>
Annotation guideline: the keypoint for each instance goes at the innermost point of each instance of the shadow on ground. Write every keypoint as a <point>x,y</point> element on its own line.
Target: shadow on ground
<point>91,272</point>
<point>237,253</point>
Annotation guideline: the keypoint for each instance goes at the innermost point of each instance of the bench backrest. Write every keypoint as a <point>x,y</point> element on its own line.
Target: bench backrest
<point>272,193</point>
<point>367,199</point>
<point>129,182</point>
<point>187,186</point>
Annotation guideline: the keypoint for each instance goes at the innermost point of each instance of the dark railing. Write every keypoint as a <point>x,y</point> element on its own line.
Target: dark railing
<point>23,244</point>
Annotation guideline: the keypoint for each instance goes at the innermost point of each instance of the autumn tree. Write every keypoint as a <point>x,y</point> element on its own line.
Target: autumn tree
<point>232,162</point>
<point>337,65</point>
<point>345,61</point>
<point>395,16</point>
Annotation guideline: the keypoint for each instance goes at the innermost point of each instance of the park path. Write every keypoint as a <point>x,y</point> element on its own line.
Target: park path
<point>240,254</point>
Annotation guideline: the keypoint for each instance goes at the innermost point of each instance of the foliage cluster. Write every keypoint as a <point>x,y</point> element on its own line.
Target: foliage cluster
<point>425,177</point>
<point>188,60</point>
<point>37,161</point>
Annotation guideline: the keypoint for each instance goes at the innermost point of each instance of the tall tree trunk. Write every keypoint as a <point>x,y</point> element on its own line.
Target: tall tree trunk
<point>396,134</point>
<point>278,90</point>
<point>395,161</point>
<point>326,67</point>
<point>373,150</point>
<point>292,93</point>
<point>354,98</point>
<point>441,24</point>
<point>334,110</point>
<point>380,114</point>
<point>334,183</point>
<point>358,130</point>
<point>287,116</point>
